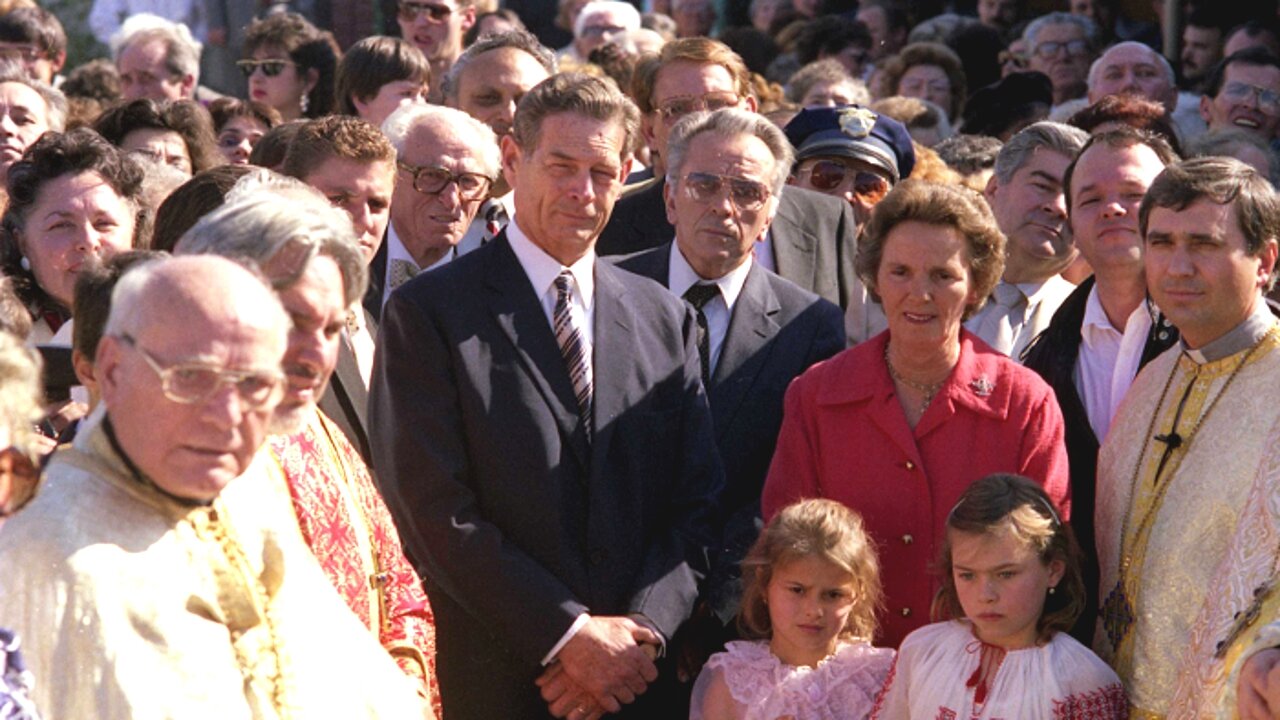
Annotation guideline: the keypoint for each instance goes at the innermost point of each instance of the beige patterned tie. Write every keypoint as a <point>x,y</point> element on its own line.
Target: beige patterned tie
<point>402,271</point>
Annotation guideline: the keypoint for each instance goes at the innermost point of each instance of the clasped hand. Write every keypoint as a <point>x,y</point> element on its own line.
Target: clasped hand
<point>606,665</point>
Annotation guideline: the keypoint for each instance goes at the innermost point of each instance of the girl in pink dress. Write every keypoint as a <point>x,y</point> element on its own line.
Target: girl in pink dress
<point>808,611</point>
<point>1011,578</point>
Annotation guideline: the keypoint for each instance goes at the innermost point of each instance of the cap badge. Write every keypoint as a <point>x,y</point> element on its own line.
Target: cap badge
<point>857,122</point>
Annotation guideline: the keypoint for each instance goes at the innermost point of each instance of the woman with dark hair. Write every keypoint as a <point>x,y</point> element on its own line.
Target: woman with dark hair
<point>290,65</point>
<point>178,133</point>
<point>379,73</point>
<point>74,198</point>
<point>239,125</point>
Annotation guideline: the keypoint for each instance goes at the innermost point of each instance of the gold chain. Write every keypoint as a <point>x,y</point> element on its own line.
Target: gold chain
<point>927,390</point>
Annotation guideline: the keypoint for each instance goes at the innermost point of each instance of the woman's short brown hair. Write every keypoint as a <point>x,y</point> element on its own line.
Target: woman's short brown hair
<point>808,528</point>
<point>950,206</point>
<point>225,109</point>
<point>1013,503</point>
<point>928,53</point>
<point>185,117</point>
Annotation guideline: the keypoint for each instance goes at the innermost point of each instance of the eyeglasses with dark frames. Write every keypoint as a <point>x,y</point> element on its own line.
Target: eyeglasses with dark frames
<point>271,67</point>
<point>190,383</point>
<point>432,180</point>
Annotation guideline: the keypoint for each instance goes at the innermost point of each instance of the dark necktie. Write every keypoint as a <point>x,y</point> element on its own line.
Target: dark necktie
<point>698,296</point>
<point>573,348</point>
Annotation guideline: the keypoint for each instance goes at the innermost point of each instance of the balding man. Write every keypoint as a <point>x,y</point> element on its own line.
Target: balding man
<point>162,555</point>
<point>1134,68</point>
<point>446,164</point>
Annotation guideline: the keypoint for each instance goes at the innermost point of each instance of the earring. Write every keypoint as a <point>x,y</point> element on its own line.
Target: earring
<point>25,263</point>
<point>1053,590</point>
<point>303,104</point>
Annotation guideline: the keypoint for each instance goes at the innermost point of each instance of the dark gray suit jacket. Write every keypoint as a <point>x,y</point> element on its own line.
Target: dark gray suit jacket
<point>814,236</point>
<point>776,332</point>
<point>515,520</point>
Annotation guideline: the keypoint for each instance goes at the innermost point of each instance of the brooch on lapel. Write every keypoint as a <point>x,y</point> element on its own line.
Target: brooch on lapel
<point>982,387</point>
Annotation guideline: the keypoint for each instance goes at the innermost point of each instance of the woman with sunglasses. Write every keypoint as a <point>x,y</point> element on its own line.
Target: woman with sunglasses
<point>898,426</point>
<point>290,65</point>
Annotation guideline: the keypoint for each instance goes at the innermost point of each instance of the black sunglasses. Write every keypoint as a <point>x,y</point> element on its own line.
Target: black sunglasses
<point>270,68</point>
<point>411,11</point>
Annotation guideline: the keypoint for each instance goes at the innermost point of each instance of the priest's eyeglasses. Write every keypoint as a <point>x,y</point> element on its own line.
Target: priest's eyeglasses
<point>744,194</point>
<point>432,180</point>
<point>190,383</point>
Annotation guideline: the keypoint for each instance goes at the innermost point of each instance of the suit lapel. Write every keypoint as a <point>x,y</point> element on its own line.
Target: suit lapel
<point>518,312</point>
<point>746,347</point>
<point>377,281</point>
<point>794,249</point>
<point>613,340</point>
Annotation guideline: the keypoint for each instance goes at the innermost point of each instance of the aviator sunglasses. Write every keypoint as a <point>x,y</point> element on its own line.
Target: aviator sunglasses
<point>829,175</point>
<point>270,68</point>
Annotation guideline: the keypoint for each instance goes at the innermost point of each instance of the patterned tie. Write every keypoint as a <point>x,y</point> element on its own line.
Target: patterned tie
<point>402,271</point>
<point>573,348</point>
<point>698,296</point>
<point>495,218</point>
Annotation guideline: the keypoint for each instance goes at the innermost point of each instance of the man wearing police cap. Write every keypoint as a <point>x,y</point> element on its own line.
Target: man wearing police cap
<point>857,155</point>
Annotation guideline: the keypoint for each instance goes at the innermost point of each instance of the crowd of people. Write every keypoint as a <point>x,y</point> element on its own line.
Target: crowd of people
<point>768,360</point>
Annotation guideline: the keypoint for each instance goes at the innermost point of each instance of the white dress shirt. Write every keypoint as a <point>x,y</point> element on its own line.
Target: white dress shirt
<point>361,341</point>
<point>995,325</point>
<point>719,310</point>
<point>1108,361</point>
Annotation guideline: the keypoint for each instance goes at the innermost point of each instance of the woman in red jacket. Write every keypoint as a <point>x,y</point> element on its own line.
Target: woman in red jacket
<point>897,427</point>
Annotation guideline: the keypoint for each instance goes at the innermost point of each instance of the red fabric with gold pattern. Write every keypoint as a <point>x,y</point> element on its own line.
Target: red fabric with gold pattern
<point>327,479</point>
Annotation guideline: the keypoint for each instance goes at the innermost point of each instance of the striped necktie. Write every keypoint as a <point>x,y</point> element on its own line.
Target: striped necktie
<point>573,348</point>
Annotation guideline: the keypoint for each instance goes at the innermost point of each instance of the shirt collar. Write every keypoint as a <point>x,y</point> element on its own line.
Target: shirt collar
<point>1034,290</point>
<point>681,276</point>
<point>396,249</point>
<point>1238,339</point>
<point>542,269</point>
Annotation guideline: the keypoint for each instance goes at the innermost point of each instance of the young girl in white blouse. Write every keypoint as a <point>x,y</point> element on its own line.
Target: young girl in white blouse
<point>812,585</point>
<point>1011,577</point>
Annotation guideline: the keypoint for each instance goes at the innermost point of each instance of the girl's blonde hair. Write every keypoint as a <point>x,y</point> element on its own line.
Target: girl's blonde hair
<point>1011,502</point>
<point>822,528</point>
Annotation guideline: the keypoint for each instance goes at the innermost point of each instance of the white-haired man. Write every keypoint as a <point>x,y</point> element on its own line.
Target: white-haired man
<point>156,59</point>
<point>597,23</point>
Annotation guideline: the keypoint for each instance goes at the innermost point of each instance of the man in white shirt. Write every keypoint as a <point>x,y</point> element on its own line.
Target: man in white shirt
<point>1025,194</point>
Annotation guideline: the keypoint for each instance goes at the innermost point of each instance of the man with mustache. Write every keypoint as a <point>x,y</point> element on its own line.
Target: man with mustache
<point>1025,194</point>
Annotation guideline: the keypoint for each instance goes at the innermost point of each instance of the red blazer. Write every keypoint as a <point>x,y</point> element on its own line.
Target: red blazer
<point>844,437</point>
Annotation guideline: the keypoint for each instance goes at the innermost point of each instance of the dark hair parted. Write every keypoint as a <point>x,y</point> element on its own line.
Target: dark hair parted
<point>184,117</point>
<point>274,144</point>
<point>341,136</point>
<point>1219,180</point>
<point>225,109</point>
<point>577,93</point>
<point>1012,503</point>
<point>93,298</point>
<point>812,528</point>
<point>53,156</point>
<point>193,200</point>
<point>696,50</point>
<point>374,62</point>
<point>1257,55</point>
<point>1132,110</point>
<point>37,26</point>
<point>1118,139</point>
<point>936,204</point>
<point>306,45</point>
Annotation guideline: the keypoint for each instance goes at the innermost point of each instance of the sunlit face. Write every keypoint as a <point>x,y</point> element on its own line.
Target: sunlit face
<point>439,39</point>
<point>927,82</point>
<point>603,26</point>
<point>1136,71</point>
<point>1200,273</point>
<point>830,94</point>
<point>1248,100</point>
<point>1201,50</point>
<point>1107,187</point>
<point>39,64</point>
<point>285,90</point>
<point>143,74</point>
<point>165,147</point>
<point>809,602</point>
<point>24,117</point>
<point>428,224</point>
<point>1032,212</point>
<point>1002,584</point>
<point>491,85</point>
<point>363,190</point>
<point>315,307</point>
<point>706,85</point>
<point>565,187</point>
<point>190,450</point>
<point>76,219</point>
<point>237,138</point>
<point>717,234</point>
<point>1068,65</point>
<point>857,182</point>
<point>924,283</point>
<point>388,99</point>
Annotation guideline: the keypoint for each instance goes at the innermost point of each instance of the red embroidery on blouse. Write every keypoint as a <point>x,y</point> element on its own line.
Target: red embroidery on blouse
<point>1106,703</point>
<point>884,691</point>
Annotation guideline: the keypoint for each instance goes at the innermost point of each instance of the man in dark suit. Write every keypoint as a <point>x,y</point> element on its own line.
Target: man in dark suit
<point>761,331</point>
<point>353,165</point>
<point>1106,330</point>
<point>544,440</point>
<point>812,238</point>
